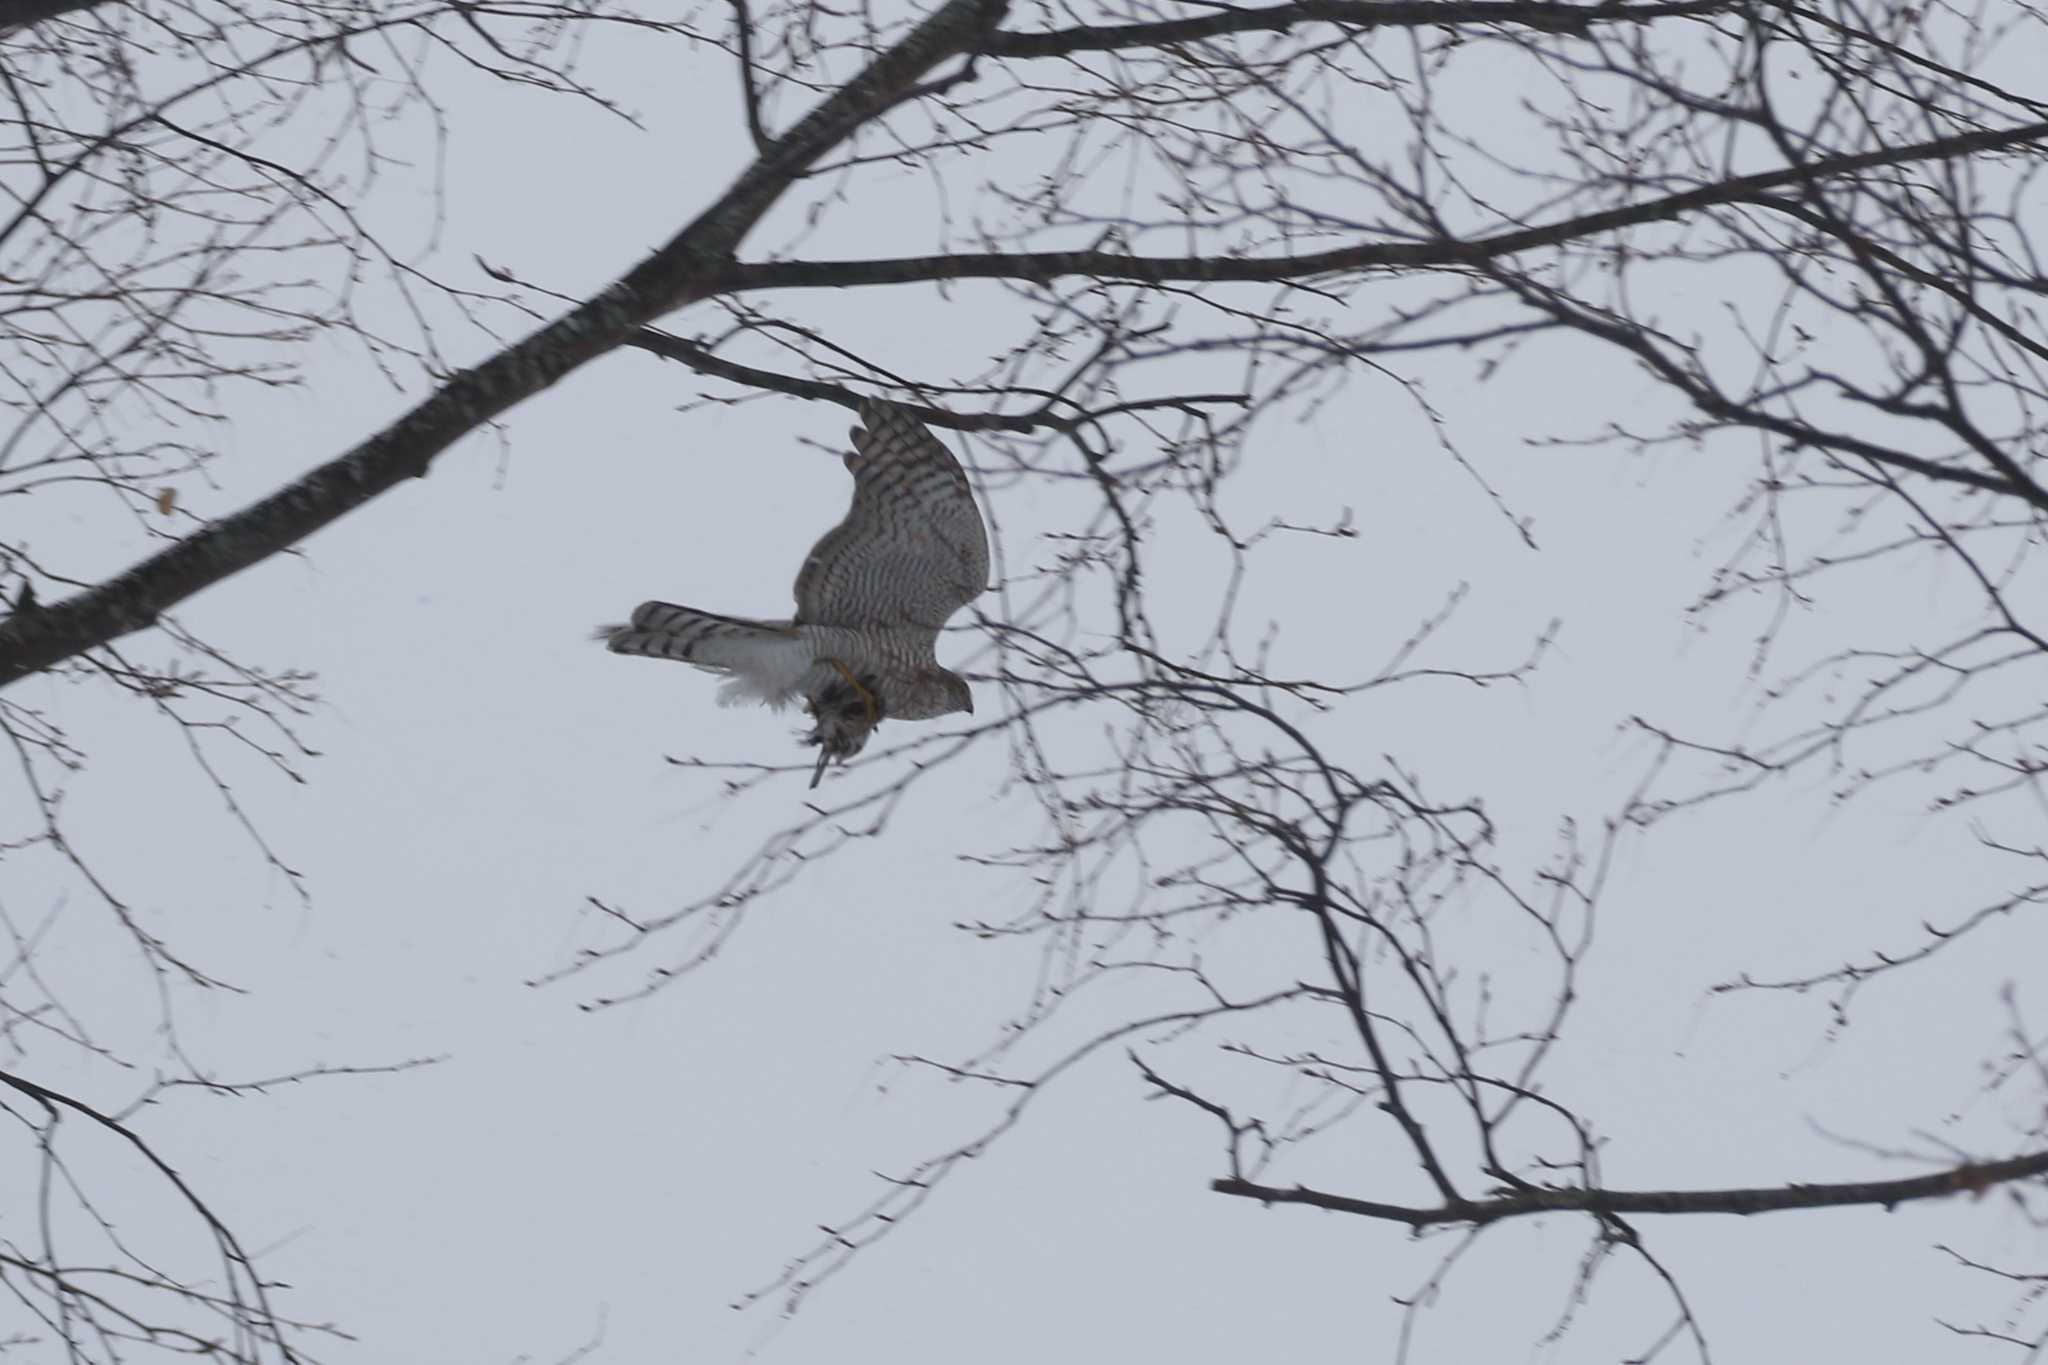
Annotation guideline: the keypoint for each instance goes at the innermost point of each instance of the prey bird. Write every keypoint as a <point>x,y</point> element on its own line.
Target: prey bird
<point>870,601</point>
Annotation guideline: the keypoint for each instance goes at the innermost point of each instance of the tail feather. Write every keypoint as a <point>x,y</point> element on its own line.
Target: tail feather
<point>763,661</point>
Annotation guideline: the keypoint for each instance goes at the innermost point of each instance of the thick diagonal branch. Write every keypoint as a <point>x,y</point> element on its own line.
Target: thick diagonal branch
<point>20,14</point>
<point>677,273</point>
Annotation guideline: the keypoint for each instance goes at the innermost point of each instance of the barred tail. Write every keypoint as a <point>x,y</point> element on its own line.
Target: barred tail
<point>765,660</point>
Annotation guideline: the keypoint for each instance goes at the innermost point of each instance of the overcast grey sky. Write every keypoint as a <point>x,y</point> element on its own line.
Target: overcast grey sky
<point>484,768</point>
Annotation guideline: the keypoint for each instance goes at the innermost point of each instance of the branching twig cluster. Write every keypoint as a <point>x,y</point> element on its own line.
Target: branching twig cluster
<point>1811,228</point>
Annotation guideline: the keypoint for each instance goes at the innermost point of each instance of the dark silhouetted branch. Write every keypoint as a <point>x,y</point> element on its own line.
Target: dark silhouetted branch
<point>1362,14</point>
<point>1973,1178</point>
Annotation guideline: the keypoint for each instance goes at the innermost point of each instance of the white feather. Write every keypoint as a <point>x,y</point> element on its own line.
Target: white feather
<point>765,669</point>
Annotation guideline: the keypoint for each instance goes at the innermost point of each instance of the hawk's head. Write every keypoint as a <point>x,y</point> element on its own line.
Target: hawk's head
<point>951,690</point>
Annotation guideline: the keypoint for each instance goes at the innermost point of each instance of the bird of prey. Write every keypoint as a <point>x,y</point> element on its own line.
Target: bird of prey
<point>870,600</point>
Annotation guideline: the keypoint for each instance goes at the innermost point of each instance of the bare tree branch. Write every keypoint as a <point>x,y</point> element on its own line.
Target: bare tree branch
<point>1351,14</point>
<point>1971,1178</point>
<point>1043,266</point>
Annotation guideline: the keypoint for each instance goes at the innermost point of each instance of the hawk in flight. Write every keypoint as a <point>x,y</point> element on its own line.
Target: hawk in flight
<point>870,600</point>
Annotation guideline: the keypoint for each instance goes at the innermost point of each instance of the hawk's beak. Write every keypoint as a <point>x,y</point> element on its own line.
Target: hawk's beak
<point>818,773</point>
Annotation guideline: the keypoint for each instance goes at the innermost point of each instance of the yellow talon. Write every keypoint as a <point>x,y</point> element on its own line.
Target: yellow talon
<point>867,697</point>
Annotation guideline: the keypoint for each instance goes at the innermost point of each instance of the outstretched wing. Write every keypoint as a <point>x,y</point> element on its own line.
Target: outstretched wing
<point>912,550</point>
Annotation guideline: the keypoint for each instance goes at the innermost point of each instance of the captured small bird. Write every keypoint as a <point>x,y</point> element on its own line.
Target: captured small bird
<point>870,600</point>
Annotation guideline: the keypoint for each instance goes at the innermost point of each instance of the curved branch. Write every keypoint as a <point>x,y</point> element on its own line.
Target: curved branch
<point>230,1246</point>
